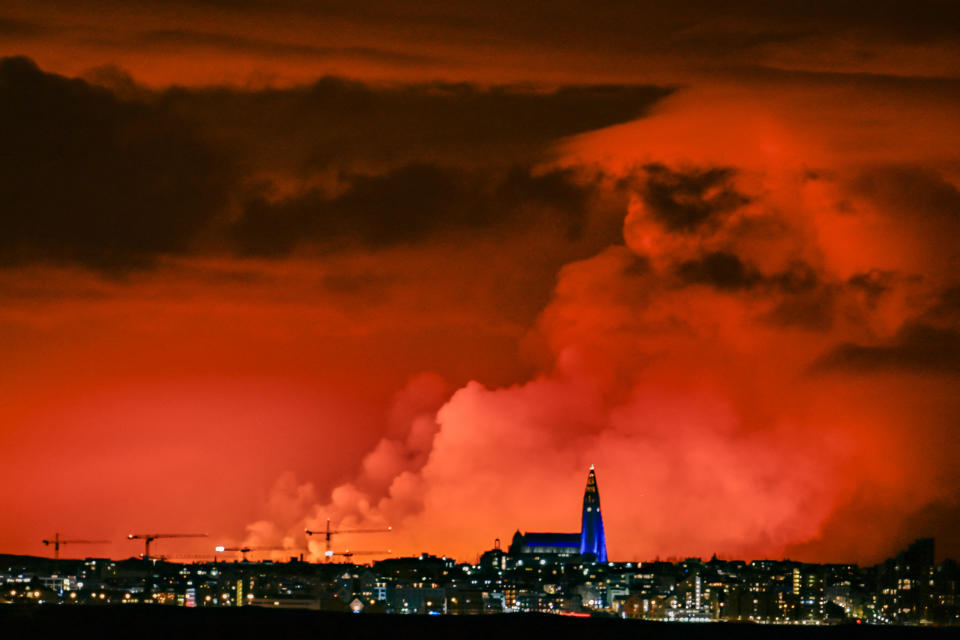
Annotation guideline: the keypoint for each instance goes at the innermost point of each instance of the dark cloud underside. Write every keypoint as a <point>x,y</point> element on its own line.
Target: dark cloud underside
<point>917,347</point>
<point>722,270</point>
<point>107,174</point>
<point>921,191</point>
<point>163,38</point>
<point>86,177</point>
<point>336,122</point>
<point>682,201</point>
<point>412,203</point>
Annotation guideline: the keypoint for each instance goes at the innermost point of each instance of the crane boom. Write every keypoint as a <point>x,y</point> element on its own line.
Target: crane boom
<point>150,537</point>
<point>56,541</point>
<point>349,554</point>
<point>328,534</point>
<point>246,549</point>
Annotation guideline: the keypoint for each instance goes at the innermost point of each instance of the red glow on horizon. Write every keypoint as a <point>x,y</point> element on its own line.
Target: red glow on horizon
<point>737,294</point>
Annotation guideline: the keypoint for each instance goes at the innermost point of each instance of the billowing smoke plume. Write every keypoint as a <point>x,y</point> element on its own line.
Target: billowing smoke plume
<point>387,470</point>
<point>763,367</point>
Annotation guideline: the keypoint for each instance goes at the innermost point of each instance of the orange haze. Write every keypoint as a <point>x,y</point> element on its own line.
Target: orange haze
<point>267,266</point>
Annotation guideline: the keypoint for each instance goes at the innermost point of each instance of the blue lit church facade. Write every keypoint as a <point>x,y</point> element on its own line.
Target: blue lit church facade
<point>590,540</point>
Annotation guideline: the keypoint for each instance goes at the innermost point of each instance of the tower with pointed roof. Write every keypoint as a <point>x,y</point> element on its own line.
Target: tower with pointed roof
<point>592,538</point>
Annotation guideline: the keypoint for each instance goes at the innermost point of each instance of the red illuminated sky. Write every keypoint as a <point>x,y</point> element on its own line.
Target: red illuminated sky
<point>422,265</point>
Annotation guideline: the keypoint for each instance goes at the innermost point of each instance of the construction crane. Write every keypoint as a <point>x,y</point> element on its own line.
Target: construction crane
<point>347,555</point>
<point>328,534</point>
<point>245,550</point>
<point>56,542</point>
<point>150,537</point>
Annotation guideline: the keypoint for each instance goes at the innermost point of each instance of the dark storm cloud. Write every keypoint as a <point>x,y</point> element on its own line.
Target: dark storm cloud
<point>86,177</point>
<point>239,43</point>
<point>726,271</point>
<point>928,342</point>
<point>801,299</point>
<point>109,174</point>
<point>19,28</point>
<point>805,300</point>
<point>917,347</point>
<point>873,284</point>
<point>412,203</point>
<point>798,278</point>
<point>687,25</point>
<point>685,200</point>
<point>919,191</point>
<point>947,307</point>
<point>337,122</point>
<point>575,37</point>
<point>722,270</point>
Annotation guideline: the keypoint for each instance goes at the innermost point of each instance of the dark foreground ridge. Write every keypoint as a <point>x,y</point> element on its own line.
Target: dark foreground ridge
<point>146,621</point>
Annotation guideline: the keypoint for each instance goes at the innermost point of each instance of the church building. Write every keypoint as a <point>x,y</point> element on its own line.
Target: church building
<point>590,540</point>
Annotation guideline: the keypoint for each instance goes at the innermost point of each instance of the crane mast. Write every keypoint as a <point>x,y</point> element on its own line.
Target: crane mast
<point>329,532</point>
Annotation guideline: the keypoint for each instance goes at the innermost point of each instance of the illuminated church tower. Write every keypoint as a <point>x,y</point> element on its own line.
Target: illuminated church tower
<point>592,539</point>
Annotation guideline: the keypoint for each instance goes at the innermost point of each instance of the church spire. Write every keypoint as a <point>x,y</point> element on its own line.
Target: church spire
<point>592,539</point>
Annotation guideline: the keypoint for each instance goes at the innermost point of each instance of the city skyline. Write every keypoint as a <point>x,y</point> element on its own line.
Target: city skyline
<point>285,266</point>
<point>566,574</point>
<point>534,576</point>
<point>589,544</point>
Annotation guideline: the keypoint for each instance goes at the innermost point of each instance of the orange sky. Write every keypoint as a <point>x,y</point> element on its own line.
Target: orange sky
<point>264,266</point>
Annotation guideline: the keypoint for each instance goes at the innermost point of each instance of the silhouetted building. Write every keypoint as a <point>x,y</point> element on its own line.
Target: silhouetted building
<point>905,584</point>
<point>539,543</point>
<point>590,540</point>
<point>918,557</point>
